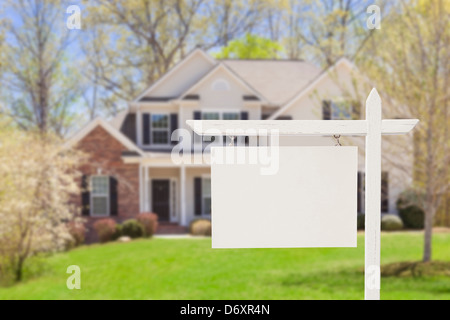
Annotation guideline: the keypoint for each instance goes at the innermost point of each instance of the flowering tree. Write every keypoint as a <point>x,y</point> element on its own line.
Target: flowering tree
<point>37,179</point>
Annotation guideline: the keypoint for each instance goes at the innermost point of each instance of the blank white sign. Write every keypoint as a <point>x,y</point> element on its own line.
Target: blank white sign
<point>309,202</point>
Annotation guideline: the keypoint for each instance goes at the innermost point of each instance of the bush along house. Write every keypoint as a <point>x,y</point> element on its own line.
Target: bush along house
<point>131,171</point>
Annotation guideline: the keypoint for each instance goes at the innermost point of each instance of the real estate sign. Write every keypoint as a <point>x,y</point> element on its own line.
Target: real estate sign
<point>310,200</point>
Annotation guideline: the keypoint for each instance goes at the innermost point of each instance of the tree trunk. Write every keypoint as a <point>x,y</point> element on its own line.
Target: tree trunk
<point>19,270</point>
<point>429,214</point>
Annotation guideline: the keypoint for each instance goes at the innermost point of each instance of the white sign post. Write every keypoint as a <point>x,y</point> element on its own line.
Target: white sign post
<point>373,127</point>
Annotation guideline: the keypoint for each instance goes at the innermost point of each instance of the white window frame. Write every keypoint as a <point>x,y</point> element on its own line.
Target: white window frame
<point>221,112</point>
<point>205,177</point>
<point>152,129</point>
<point>92,195</point>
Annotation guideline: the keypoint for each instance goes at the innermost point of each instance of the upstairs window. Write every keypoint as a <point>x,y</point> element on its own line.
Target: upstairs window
<point>340,110</point>
<point>160,129</point>
<point>210,116</point>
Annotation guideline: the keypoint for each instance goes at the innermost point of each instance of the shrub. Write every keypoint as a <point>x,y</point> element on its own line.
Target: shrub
<point>105,228</point>
<point>409,210</point>
<point>200,227</point>
<point>412,216</point>
<point>77,231</point>
<point>361,221</point>
<point>118,233</point>
<point>132,228</point>
<point>149,221</point>
<point>390,222</point>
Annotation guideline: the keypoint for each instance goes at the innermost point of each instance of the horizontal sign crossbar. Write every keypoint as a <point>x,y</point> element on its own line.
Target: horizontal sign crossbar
<point>298,127</point>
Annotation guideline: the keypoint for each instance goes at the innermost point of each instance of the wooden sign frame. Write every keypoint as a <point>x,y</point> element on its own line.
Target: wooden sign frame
<point>372,128</point>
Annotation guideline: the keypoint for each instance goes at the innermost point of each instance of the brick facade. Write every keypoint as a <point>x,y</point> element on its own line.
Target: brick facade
<point>105,157</point>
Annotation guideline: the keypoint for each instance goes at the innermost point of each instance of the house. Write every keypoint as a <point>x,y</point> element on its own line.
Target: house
<point>131,169</point>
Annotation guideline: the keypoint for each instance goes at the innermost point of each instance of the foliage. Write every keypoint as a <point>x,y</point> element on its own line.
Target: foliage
<point>118,232</point>
<point>410,65</point>
<point>177,268</point>
<point>105,229</point>
<point>150,223</point>
<point>412,216</point>
<point>251,47</point>
<point>77,231</point>
<point>38,178</point>
<point>391,222</point>
<point>40,81</point>
<point>132,228</point>
<point>416,269</point>
<point>200,227</point>
<point>409,209</point>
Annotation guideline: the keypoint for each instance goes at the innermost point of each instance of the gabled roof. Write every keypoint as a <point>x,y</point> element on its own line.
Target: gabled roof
<point>221,66</point>
<point>276,80</point>
<point>311,85</point>
<point>186,59</point>
<point>119,136</point>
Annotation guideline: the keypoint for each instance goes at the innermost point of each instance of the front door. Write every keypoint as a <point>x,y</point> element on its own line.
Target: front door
<point>160,199</point>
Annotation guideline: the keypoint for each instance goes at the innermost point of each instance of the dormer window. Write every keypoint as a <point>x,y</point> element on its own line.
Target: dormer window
<point>157,128</point>
<point>160,129</point>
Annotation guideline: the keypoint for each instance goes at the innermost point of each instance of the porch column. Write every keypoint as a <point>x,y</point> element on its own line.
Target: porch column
<point>183,195</point>
<point>147,206</point>
<point>141,189</point>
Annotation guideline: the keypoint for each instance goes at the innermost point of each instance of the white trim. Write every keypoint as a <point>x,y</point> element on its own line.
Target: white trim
<point>310,86</point>
<point>92,195</point>
<point>174,196</point>
<point>222,66</point>
<point>203,177</point>
<point>298,127</point>
<point>119,136</point>
<point>141,185</point>
<point>183,213</point>
<point>172,70</point>
<point>147,198</point>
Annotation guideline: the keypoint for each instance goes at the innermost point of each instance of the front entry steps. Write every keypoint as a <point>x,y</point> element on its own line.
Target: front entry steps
<point>171,228</point>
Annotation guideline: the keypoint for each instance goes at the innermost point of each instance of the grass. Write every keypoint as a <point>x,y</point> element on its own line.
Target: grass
<point>190,269</point>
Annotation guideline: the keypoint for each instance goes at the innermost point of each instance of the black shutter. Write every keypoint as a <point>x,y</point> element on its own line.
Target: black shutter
<point>146,128</point>
<point>384,191</point>
<point>360,192</point>
<point>129,127</point>
<point>198,196</point>
<point>356,110</point>
<point>173,125</point>
<point>85,195</point>
<point>113,198</point>
<point>244,116</point>
<point>326,110</point>
<point>197,141</point>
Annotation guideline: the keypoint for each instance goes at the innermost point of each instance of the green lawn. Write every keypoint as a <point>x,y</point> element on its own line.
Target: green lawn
<point>190,269</point>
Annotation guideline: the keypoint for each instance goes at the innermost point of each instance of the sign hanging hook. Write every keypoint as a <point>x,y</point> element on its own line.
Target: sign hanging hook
<point>232,140</point>
<point>337,137</point>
